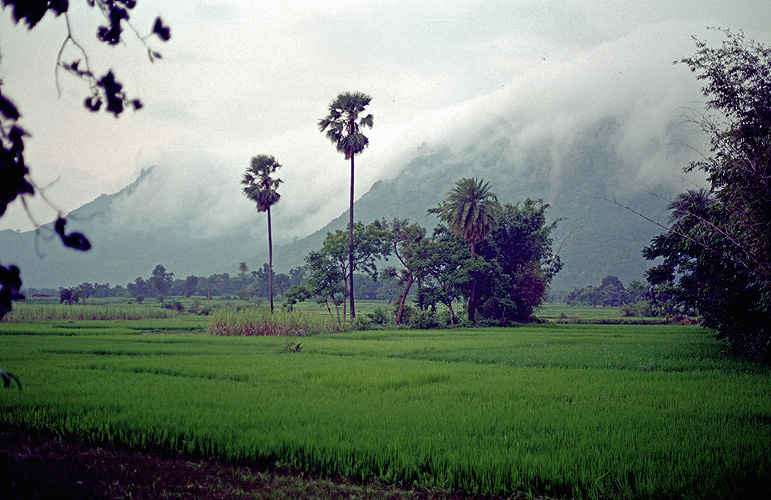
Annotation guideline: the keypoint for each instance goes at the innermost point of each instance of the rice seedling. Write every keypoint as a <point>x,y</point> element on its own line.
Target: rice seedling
<point>613,412</point>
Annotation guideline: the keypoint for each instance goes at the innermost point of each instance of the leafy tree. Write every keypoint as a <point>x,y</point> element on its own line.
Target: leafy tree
<point>66,295</point>
<point>297,276</point>
<point>470,211</point>
<point>370,243</point>
<point>101,291</point>
<point>189,286</point>
<point>140,287</point>
<point>343,127</point>
<point>611,292</point>
<point>328,270</point>
<point>242,270</point>
<point>85,290</point>
<point>15,180</point>
<point>445,273</point>
<point>326,280</point>
<point>281,283</point>
<point>160,281</point>
<point>717,250</point>
<point>411,249</point>
<point>261,188</point>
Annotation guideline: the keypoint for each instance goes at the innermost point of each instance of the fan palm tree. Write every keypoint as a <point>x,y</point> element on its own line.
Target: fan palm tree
<point>261,188</point>
<point>343,127</point>
<point>471,213</point>
<point>694,202</point>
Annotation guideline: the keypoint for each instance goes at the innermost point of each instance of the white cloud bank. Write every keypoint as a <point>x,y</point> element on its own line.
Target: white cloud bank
<point>241,78</point>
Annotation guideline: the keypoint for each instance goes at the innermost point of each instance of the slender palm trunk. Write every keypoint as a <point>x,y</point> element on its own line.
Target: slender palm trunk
<point>270,262</point>
<point>350,246</point>
<point>472,300</point>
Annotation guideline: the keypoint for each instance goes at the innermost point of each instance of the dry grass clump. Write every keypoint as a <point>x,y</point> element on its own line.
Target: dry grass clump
<point>260,322</point>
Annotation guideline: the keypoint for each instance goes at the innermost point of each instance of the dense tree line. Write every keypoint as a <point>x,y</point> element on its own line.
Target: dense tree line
<point>493,262</point>
<point>162,284</point>
<point>610,293</point>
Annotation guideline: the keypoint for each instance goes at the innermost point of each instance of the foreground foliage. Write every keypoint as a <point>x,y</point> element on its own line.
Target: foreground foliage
<point>717,253</point>
<point>581,410</point>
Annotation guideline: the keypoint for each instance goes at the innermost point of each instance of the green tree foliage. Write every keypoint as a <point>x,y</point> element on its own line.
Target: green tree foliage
<point>610,293</point>
<point>411,248</point>
<point>717,252</point>
<point>471,212</point>
<point>521,249</point>
<point>160,281</point>
<point>328,270</point>
<point>261,188</point>
<point>343,126</point>
<point>325,280</point>
<point>446,277</point>
<point>510,272</point>
<point>189,286</point>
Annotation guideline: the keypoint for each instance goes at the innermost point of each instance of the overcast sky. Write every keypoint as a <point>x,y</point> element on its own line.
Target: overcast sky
<point>245,77</point>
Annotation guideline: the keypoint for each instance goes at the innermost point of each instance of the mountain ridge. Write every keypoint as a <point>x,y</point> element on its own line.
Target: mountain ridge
<point>596,237</point>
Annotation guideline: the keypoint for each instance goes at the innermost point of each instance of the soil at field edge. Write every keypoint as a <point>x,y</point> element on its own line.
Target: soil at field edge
<point>51,467</point>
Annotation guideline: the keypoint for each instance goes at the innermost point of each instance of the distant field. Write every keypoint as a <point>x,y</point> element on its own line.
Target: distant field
<point>591,411</point>
<point>564,312</point>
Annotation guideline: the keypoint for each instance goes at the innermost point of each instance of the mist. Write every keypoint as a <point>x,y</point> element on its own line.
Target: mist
<point>194,187</point>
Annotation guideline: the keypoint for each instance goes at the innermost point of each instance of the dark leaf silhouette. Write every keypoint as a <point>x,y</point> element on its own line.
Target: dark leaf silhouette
<point>163,31</point>
<point>10,284</point>
<point>73,240</point>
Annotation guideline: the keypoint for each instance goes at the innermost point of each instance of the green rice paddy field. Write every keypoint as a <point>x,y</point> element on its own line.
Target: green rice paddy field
<point>585,411</point>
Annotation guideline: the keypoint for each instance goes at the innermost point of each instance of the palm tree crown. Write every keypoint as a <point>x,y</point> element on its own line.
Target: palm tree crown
<point>470,210</point>
<point>259,186</point>
<point>694,202</point>
<point>344,127</point>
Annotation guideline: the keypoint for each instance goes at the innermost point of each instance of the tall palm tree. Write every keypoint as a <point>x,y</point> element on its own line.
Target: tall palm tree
<point>261,188</point>
<point>343,127</point>
<point>471,213</point>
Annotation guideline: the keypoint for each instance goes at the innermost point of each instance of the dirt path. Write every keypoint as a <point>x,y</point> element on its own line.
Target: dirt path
<point>50,467</point>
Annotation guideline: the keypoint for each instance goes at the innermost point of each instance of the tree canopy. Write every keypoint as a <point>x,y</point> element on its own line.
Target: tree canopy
<point>717,252</point>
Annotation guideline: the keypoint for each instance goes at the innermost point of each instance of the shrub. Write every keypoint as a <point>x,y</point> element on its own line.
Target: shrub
<point>641,309</point>
<point>378,316</point>
<point>422,320</point>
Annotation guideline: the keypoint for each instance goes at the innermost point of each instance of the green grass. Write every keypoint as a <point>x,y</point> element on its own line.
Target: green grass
<point>25,312</point>
<point>564,313</point>
<point>597,411</point>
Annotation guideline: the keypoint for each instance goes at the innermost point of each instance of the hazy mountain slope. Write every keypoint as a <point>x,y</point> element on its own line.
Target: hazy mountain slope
<point>576,176</point>
<point>118,256</point>
<point>596,237</point>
